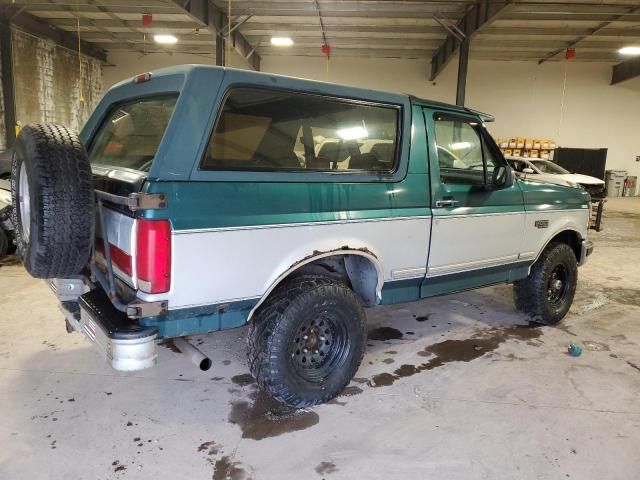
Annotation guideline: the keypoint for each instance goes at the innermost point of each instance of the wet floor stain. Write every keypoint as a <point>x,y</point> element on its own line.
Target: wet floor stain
<point>384,333</point>
<point>225,469</point>
<point>382,380</point>
<point>243,380</point>
<point>633,365</point>
<point>350,391</point>
<point>168,344</point>
<point>264,417</point>
<point>466,350</point>
<point>626,296</point>
<point>210,447</point>
<point>325,468</point>
<point>592,346</point>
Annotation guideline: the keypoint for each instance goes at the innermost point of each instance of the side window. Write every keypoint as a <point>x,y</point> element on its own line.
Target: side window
<point>267,130</point>
<point>463,154</point>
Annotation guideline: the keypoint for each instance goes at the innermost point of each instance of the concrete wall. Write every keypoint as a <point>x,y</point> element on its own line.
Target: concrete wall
<point>47,84</point>
<point>3,145</point>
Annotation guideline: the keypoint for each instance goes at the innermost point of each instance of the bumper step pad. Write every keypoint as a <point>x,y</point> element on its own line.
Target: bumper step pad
<point>126,345</point>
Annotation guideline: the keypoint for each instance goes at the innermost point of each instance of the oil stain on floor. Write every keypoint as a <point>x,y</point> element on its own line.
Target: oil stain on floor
<point>466,350</point>
<point>384,333</point>
<point>263,417</point>
<point>225,469</point>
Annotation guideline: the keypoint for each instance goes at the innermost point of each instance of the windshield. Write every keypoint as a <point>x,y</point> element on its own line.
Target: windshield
<point>548,167</point>
<point>131,133</point>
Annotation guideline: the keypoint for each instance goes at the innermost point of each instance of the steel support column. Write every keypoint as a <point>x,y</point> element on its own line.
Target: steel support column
<point>8,95</point>
<point>209,15</point>
<point>463,63</point>
<point>477,17</point>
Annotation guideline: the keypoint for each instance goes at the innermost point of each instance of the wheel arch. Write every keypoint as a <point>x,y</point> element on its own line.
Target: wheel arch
<point>570,236</point>
<point>361,266</point>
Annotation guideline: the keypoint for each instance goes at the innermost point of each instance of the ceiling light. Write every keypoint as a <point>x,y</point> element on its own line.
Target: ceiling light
<point>629,50</point>
<point>281,41</point>
<point>165,39</point>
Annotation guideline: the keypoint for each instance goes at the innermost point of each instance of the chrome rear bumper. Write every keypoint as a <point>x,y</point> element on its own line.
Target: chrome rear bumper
<point>125,345</point>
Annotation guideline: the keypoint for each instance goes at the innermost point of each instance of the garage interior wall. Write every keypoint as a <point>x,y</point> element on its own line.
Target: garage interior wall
<point>3,145</point>
<point>47,83</point>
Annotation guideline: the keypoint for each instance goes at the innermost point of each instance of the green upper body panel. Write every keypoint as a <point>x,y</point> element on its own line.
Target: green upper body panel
<point>216,199</point>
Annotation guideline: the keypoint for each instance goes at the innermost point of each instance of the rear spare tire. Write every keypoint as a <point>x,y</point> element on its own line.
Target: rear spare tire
<point>53,201</point>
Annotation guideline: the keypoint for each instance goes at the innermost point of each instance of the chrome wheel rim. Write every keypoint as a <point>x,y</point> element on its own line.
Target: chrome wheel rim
<point>25,203</point>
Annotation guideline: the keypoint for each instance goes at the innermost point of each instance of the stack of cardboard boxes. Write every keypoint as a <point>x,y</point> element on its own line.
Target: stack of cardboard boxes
<point>527,147</point>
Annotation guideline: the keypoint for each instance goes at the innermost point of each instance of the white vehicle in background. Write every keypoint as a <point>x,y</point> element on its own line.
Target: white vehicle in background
<point>549,172</point>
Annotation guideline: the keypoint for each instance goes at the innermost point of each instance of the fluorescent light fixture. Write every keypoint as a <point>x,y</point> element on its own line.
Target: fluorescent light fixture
<point>460,146</point>
<point>165,39</point>
<point>631,50</point>
<point>281,41</point>
<point>353,133</point>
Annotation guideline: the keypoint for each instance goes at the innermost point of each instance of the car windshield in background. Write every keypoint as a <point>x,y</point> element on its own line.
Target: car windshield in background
<point>130,135</point>
<point>548,167</point>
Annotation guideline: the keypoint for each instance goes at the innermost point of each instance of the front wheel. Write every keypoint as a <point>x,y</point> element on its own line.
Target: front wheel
<point>547,293</point>
<point>307,341</point>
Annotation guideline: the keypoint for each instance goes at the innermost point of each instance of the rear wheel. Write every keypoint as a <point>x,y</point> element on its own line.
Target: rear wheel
<point>53,201</point>
<point>547,293</point>
<point>307,341</point>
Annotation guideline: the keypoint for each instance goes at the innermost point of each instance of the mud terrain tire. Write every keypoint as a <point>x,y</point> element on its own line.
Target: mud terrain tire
<point>305,315</point>
<point>53,201</point>
<point>547,293</point>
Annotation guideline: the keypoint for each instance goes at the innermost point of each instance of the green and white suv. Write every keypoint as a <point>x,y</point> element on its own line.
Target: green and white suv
<point>199,199</point>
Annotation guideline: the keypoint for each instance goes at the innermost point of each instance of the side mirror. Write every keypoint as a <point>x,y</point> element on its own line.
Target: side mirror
<point>501,176</point>
<point>528,170</point>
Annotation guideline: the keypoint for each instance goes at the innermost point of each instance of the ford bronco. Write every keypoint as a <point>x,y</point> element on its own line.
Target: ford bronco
<point>199,199</point>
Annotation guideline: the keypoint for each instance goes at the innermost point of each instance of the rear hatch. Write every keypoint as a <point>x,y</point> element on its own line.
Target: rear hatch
<point>121,152</point>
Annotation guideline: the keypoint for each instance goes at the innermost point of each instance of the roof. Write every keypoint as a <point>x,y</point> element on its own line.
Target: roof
<point>520,30</point>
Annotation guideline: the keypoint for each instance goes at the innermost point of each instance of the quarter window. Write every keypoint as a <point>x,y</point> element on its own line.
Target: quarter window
<point>276,130</point>
<point>463,154</point>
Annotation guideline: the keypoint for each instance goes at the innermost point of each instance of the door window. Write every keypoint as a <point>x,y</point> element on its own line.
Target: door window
<point>272,130</point>
<point>463,154</point>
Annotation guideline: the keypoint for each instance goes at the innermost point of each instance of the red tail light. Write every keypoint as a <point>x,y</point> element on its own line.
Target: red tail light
<point>153,255</point>
<point>119,258</point>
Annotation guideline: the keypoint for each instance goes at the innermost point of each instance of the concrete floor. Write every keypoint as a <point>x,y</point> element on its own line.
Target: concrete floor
<point>465,393</point>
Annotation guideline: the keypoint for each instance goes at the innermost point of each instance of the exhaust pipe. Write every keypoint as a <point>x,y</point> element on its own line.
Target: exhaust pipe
<point>200,359</point>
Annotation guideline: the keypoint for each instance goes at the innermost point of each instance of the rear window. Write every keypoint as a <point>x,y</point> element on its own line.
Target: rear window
<point>280,130</point>
<point>130,134</point>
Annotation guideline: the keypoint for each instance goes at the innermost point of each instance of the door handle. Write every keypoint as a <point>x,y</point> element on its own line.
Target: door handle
<point>446,203</point>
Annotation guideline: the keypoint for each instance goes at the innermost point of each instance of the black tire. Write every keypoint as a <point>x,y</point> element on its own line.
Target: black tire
<point>57,237</point>
<point>4,243</point>
<point>547,293</point>
<point>328,309</point>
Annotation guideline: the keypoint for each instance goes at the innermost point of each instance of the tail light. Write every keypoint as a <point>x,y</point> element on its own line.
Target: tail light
<point>153,255</point>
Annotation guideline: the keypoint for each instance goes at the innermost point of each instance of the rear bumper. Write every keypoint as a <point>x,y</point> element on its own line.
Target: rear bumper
<point>125,344</point>
<point>585,250</point>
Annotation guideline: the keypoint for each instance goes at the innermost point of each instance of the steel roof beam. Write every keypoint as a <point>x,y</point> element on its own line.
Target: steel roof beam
<point>36,26</point>
<point>592,31</point>
<point>478,16</point>
<point>625,71</point>
<point>210,16</point>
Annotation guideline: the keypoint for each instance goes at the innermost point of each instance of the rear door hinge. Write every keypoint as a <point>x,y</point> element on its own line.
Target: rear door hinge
<point>146,201</point>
